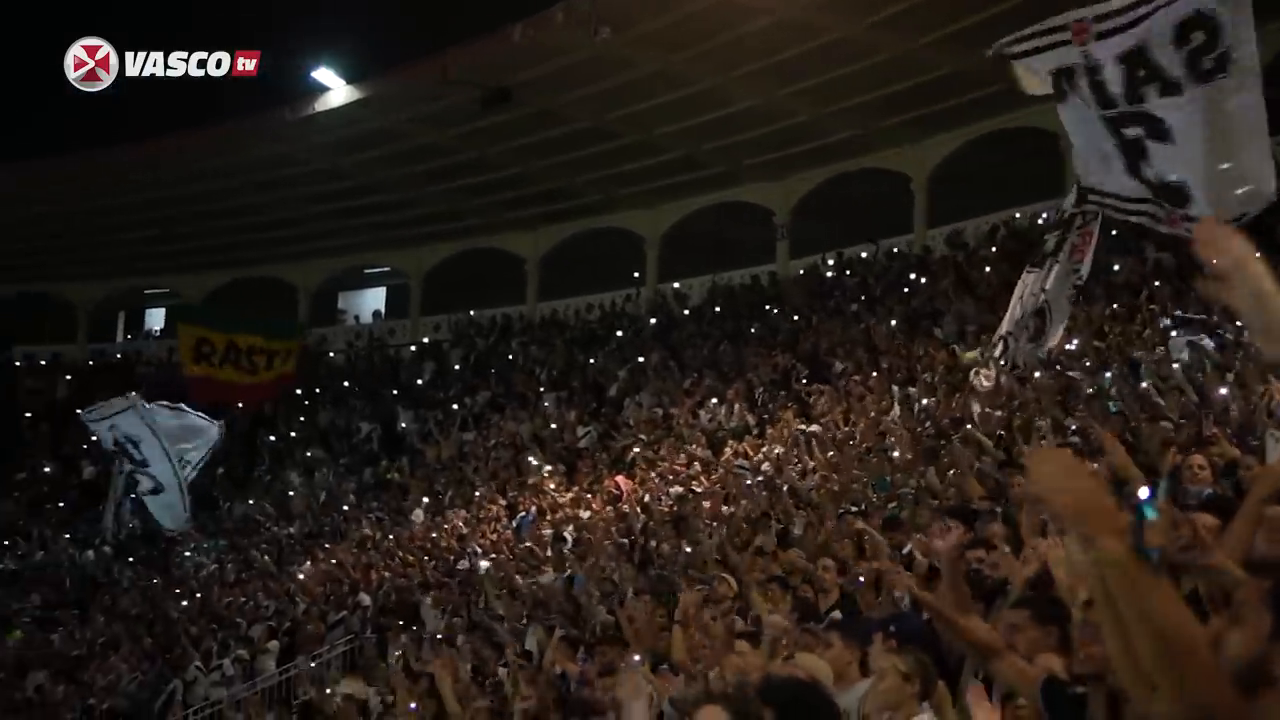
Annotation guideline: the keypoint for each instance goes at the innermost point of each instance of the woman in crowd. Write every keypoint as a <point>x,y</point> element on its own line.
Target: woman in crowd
<point>786,500</point>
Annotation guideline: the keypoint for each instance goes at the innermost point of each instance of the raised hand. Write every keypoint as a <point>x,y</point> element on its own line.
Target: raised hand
<point>690,602</point>
<point>1117,457</point>
<point>980,706</point>
<point>1221,449</point>
<point>632,688</point>
<point>1074,493</point>
<point>1265,482</point>
<point>1238,278</point>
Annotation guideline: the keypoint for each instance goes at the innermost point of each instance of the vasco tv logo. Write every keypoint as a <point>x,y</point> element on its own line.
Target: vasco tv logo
<point>91,63</point>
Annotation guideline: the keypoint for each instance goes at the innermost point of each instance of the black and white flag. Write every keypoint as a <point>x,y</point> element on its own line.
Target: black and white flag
<point>159,447</point>
<point>1163,103</point>
<point>1041,303</point>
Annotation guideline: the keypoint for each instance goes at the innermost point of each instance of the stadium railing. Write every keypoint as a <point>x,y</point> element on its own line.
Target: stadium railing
<point>281,686</point>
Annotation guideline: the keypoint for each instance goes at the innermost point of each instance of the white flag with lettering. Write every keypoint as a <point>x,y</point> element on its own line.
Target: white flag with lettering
<point>159,448</point>
<point>1163,103</point>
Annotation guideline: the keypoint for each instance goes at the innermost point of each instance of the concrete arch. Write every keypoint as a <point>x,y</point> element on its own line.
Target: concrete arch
<point>323,307</point>
<point>474,279</point>
<point>860,206</point>
<point>592,261</point>
<point>122,315</point>
<point>261,296</point>
<point>726,236</point>
<point>37,318</point>
<point>998,170</point>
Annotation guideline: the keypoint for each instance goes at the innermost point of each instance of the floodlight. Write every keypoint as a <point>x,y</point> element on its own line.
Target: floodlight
<point>328,78</point>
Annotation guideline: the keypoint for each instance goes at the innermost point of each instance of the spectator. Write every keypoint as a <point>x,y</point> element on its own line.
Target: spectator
<point>787,491</point>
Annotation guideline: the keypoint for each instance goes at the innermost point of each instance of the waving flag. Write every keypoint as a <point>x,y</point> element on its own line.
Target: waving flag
<point>1041,303</point>
<point>1163,102</point>
<point>159,447</point>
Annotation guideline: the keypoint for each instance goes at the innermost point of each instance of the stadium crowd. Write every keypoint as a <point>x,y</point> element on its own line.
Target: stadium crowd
<point>785,500</point>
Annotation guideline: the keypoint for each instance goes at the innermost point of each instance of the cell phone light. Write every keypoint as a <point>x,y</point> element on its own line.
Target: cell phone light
<point>1144,493</point>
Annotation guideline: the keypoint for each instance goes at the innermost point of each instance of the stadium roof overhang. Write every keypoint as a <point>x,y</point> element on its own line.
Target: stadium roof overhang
<point>584,110</point>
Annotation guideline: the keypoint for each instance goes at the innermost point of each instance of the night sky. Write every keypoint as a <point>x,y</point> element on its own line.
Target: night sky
<point>359,40</point>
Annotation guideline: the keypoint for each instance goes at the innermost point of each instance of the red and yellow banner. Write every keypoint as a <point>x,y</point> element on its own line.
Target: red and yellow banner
<point>235,366</point>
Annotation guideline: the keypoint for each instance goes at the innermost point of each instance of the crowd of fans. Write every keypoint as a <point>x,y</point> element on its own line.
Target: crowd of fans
<point>787,499</point>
